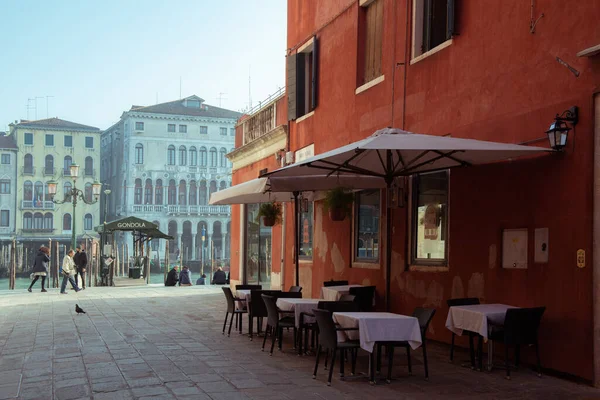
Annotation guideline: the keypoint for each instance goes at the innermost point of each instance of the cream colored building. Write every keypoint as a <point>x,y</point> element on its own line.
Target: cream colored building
<point>46,149</point>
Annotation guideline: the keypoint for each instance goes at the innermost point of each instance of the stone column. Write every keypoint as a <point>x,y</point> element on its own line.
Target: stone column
<point>224,240</point>
<point>194,254</point>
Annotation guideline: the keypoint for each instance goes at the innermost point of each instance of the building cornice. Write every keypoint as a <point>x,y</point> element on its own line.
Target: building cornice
<point>265,146</point>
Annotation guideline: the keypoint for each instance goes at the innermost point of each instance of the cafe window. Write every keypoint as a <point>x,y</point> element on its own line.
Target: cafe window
<point>367,213</point>
<point>306,231</point>
<point>430,219</point>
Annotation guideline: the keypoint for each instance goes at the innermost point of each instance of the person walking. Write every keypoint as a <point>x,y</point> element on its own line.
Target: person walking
<point>40,267</point>
<point>69,270</point>
<point>185,277</point>
<point>81,260</point>
<point>172,277</point>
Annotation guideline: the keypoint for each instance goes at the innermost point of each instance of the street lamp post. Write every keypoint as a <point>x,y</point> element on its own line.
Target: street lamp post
<point>72,195</point>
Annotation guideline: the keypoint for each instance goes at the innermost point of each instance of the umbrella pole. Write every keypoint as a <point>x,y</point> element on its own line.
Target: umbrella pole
<point>388,234</point>
<point>296,238</point>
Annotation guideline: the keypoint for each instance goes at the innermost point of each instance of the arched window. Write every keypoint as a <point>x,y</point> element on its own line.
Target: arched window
<point>213,188</point>
<point>137,192</point>
<point>28,164</point>
<point>223,151</point>
<point>67,222</point>
<point>213,157</point>
<point>202,194</point>
<point>193,193</point>
<point>38,195</point>
<point>88,192</point>
<point>88,222</point>
<point>182,193</point>
<point>172,194</point>
<point>182,155</point>
<point>171,155</point>
<point>66,164</point>
<point>139,153</point>
<point>28,191</point>
<point>223,185</point>
<point>89,166</point>
<point>158,192</point>
<point>48,221</point>
<point>148,192</point>
<point>38,220</point>
<point>67,191</point>
<point>193,156</point>
<point>49,165</point>
<point>202,152</point>
<point>27,221</point>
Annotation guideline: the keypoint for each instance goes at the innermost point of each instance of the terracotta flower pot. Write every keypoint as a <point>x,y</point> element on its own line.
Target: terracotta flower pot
<point>268,221</point>
<point>337,214</point>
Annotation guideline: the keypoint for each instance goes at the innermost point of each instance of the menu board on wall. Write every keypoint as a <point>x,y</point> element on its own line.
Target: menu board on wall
<point>514,248</point>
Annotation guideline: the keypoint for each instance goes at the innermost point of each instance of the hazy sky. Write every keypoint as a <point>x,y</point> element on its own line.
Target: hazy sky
<point>97,58</point>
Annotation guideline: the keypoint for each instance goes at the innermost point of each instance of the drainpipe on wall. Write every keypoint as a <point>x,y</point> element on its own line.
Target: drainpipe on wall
<point>283,249</point>
<point>596,241</point>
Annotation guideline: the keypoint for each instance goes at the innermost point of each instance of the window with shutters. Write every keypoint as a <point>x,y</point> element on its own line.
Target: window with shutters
<point>433,26</point>
<point>302,80</point>
<point>370,34</point>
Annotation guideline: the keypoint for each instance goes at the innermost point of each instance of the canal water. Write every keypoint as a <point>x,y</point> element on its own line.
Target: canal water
<point>23,283</point>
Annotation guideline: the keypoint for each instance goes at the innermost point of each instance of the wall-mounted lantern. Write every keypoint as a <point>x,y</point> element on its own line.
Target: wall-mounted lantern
<point>559,129</point>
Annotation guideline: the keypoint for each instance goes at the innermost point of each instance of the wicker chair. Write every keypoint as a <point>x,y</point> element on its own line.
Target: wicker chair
<point>334,283</point>
<point>275,324</point>
<point>231,309</point>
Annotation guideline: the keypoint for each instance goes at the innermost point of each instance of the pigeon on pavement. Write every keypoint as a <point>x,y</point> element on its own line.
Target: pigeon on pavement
<point>79,310</point>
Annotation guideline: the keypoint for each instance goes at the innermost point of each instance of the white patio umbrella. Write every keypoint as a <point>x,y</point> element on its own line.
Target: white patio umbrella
<point>390,153</point>
<point>263,190</point>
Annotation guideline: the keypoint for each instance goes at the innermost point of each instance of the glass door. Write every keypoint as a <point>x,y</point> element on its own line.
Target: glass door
<point>258,249</point>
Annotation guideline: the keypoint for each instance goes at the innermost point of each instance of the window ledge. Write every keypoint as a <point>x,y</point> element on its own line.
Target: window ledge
<point>370,84</point>
<point>305,116</point>
<point>431,52</point>
<point>429,268</point>
<point>365,265</point>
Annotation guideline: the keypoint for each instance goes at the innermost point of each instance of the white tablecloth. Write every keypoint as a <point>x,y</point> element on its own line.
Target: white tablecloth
<point>242,294</point>
<point>379,327</point>
<point>333,293</point>
<point>299,306</point>
<point>475,318</point>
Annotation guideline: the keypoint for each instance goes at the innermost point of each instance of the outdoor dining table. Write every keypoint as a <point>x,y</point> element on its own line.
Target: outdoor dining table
<point>477,318</point>
<point>299,306</point>
<point>333,293</point>
<point>374,327</point>
<point>243,294</point>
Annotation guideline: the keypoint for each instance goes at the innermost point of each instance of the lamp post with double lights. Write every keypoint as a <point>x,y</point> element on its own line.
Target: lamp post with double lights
<point>73,195</point>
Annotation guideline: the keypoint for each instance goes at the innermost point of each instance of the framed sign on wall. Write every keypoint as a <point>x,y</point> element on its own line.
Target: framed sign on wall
<point>514,248</point>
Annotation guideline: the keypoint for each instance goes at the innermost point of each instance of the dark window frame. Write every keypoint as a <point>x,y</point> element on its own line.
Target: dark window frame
<point>356,228</point>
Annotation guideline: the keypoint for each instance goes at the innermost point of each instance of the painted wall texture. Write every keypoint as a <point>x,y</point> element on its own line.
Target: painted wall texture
<point>495,81</point>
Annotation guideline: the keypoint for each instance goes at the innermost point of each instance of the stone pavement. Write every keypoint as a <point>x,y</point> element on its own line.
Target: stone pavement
<point>166,343</point>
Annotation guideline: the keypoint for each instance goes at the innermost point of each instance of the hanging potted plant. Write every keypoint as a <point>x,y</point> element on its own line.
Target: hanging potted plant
<point>338,202</point>
<point>270,213</point>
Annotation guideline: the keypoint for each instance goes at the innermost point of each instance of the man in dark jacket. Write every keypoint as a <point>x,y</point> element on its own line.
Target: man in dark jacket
<point>219,278</point>
<point>81,261</point>
<point>172,277</point>
<point>185,277</point>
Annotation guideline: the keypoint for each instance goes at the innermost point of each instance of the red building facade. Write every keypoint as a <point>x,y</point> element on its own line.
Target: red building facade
<point>481,70</point>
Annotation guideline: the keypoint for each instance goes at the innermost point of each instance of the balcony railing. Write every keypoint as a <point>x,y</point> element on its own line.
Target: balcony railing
<point>198,210</point>
<point>89,172</point>
<point>48,171</point>
<point>260,123</point>
<point>66,172</point>
<point>37,205</point>
<point>28,170</point>
<point>37,230</point>
<point>147,208</point>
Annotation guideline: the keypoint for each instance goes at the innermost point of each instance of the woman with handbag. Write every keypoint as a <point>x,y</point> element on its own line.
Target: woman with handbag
<point>69,270</point>
<point>40,267</point>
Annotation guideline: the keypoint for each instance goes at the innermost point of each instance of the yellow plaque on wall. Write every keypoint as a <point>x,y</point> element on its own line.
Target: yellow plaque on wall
<point>581,258</point>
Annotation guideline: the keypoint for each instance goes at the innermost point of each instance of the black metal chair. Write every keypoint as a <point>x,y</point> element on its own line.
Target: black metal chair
<point>295,289</point>
<point>466,301</point>
<point>248,287</point>
<point>257,309</point>
<point>334,283</point>
<point>521,326</point>
<point>275,324</point>
<point>328,340</point>
<point>424,315</point>
<point>364,297</point>
<point>231,309</point>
